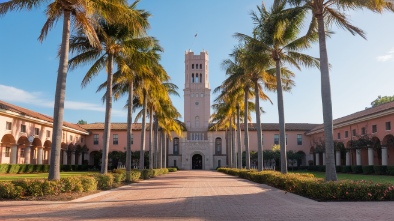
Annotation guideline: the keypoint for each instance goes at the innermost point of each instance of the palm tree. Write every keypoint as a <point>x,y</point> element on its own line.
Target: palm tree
<point>276,38</point>
<point>82,14</point>
<point>115,42</point>
<point>324,14</point>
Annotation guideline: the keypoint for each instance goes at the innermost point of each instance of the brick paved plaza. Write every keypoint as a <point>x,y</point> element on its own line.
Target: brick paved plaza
<point>195,195</point>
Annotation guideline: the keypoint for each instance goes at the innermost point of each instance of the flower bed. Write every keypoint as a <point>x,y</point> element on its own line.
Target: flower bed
<point>308,186</point>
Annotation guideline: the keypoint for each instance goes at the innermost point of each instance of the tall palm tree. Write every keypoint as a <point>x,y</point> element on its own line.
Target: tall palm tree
<point>82,15</point>
<point>276,39</point>
<point>115,42</point>
<point>324,14</point>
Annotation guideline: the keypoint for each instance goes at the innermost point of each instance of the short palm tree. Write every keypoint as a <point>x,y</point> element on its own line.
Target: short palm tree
<point>324,14</point>
<point>82,14</point>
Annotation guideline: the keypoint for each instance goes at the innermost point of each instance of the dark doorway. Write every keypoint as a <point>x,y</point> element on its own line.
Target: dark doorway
<point>197,162</point>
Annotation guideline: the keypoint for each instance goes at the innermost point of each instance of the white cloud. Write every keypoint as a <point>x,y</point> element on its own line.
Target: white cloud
<point>16,95</point>
<point>387,57</point>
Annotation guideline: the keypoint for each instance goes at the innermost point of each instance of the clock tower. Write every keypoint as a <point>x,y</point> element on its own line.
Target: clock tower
<point>196,95</point>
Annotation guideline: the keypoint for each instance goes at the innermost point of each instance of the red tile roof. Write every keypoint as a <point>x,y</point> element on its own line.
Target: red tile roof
<point>275,126</point>
<point>25,112</point>
<point>360,114</point>
<point>114,126</point>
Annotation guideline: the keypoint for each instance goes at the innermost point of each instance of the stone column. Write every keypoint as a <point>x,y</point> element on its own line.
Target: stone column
<point>347,157</point>
<point>27,154</point>
<point>317,159</point>
<point>338,157</point>
<point>79,159</point>
<point>384,156</point>
<point>358,157</point>
<point>324,159</point>
<point>370,156</point>
<point>14,154</point>
<point>39,155</point>
<point>64,157</point>
<point>73,158</point>
<point>49,156</point>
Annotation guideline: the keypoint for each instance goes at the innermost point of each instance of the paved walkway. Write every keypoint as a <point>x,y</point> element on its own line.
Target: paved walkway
<point>195,195</point>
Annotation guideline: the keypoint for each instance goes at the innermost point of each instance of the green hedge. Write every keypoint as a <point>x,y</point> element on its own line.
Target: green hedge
<point>368,169</point>
<point>42,187</point>
<point>172,169</point>
<point>35,168</point>
<point>308,186</point>
<point>380,170</point>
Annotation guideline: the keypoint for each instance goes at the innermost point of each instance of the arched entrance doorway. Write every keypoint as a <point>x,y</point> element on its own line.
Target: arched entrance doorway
<point>197,162</point>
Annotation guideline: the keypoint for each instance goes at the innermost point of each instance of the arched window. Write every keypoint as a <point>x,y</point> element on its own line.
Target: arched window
<point>218,146</point>
<point>176,146</point>
<point>192,78</point>
<point>200,78</point>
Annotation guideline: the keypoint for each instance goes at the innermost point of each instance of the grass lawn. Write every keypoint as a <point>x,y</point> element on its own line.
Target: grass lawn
<point>10,177</point>
<point>348,176</point>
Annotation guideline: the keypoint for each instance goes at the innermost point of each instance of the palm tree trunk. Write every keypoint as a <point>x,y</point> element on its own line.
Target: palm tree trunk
<point>231,144</point>
<point>239,140</point>
<point>150,139</point>
<point>129,131</point>
<point>282,129</point>
<point>60,94</point>
<point>143,132</point>
<point>164,145</point>
<point>155,126</point>
<point>258,124</point>
<point>160,150</point>
<point>331,174</point>
<point>246,129</point>
<point>107,123</point>
<point>234,144</point>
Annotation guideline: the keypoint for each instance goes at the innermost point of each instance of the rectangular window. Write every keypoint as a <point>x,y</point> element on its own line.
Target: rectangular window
<point>95,139</point>
<point>276,139</point>
<point>200,66</point>
<point>192,66</point>
<point>388,125</point>
<point>286,139</point>
<point>339,136</point>
<point>23,128</point>
<point>354,132</point>
<point>48,133</point>
<point>262,139</point>
<point>115,139</point>
<point>22,152</point>
<point>81,139</point>
<point>7,151</point>
<point>346,134</point>
<point>299,139</point>
<point>374,128</point>
<point>8,125</point>
<point>363,131</point>
<point>36,131</point>
<point>71,138</point>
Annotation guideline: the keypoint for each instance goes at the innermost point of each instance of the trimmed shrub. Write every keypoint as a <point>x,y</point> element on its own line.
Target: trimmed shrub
<point>146,174</point>
<point>357,169</point>
<point>9,191</point>
<point>368,170</point>
<point>172,169</point>
<point>380,170</point>
<point>135,175</point>
<point>104,181</point>
<point>51,188</point>
<point>71,184</point>
<point>390,170</point>
<point>346,169</point>
<point>13,168</point>
<point>88,183</point>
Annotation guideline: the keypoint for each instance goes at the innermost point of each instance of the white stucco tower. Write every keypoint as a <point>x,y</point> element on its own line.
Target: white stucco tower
<point>196,95</point>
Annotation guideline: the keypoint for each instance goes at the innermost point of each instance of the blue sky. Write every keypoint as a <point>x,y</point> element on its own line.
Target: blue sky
<point>361,69</point>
